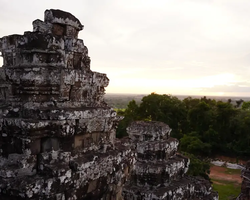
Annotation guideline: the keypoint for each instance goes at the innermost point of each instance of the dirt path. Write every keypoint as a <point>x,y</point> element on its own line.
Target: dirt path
<point>217,172</point>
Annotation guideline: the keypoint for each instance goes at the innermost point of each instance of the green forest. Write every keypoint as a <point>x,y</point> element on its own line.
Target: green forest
<point>205,127</point>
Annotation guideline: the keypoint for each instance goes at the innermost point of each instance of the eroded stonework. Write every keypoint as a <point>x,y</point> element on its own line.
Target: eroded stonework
<point>245,185</point>
<point>58,135</point>
<point>159,172</point>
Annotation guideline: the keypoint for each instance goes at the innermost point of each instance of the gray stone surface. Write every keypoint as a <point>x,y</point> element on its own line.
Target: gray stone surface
<point>245,185</point>
<point>159,172</point>
<point>57,135</point>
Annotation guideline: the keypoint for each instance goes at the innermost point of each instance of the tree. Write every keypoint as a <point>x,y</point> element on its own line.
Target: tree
<point>164,108</point>
<point>197,166</point>
<point>192,144</point>
<point>200,117</point>
<point>130,114</point>
<point>190,103</point>
<point>203,126</point>
<point>211,137</point>
<point>246,105</point>
<point>224,115</point>
<point>240,126</point>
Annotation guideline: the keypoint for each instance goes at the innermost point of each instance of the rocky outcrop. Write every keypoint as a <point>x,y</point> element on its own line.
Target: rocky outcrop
<point>57,136</point>
<point>159,172</point>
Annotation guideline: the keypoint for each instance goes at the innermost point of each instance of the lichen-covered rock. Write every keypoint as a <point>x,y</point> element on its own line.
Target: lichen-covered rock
<point>57,134</point>
<point>185,188</point>
<point>159,172</point>
<point>148,131</point>
<point>245,185</point>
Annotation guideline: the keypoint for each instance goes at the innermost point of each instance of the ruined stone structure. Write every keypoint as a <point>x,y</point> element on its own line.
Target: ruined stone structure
<point>159,172</point>
<point>245,185</point>
<point>57,136</point>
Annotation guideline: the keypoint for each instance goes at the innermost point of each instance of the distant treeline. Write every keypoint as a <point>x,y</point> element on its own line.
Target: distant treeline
<point>120,101</point>
<point>204,126</point>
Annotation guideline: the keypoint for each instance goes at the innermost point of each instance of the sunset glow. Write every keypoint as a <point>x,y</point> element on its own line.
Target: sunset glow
<point>175,47</point>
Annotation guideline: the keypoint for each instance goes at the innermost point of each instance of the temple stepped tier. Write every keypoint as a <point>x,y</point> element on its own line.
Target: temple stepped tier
<point>159,172</point>
<point>57,135</point>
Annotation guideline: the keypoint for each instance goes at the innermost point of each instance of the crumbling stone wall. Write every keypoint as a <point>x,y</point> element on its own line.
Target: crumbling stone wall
<point>57,136</point>
<point>245,185</point>
<point>159,172</point>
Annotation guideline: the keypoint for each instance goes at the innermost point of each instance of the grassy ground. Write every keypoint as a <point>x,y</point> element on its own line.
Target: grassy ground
<point>233,171</point>
<point>227,182</point>
<point>227,189</point>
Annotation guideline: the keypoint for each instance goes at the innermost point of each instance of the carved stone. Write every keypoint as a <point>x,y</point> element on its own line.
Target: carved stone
<point>245,185</point>
<point>159,172</point>
<point>57,135</point>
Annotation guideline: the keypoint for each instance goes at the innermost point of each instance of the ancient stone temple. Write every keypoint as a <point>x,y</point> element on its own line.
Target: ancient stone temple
<point>159,172</point>
<point>57,133</point>
<point>245,185</point>
<point>57,136</point>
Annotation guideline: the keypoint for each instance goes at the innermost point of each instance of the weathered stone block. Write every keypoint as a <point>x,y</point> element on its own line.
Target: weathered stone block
<point>148,131</point>
<point>57,135</point>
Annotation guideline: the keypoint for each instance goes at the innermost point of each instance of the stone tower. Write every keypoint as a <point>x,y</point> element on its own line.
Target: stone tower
<point>57,134</point>
<point>57,138</point>
<point>159,172</point>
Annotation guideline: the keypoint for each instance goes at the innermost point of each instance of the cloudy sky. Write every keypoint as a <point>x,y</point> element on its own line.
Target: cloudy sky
<point>189,47</point>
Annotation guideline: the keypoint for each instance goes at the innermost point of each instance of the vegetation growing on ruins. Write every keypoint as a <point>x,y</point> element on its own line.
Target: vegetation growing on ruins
<point>204,126</point>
